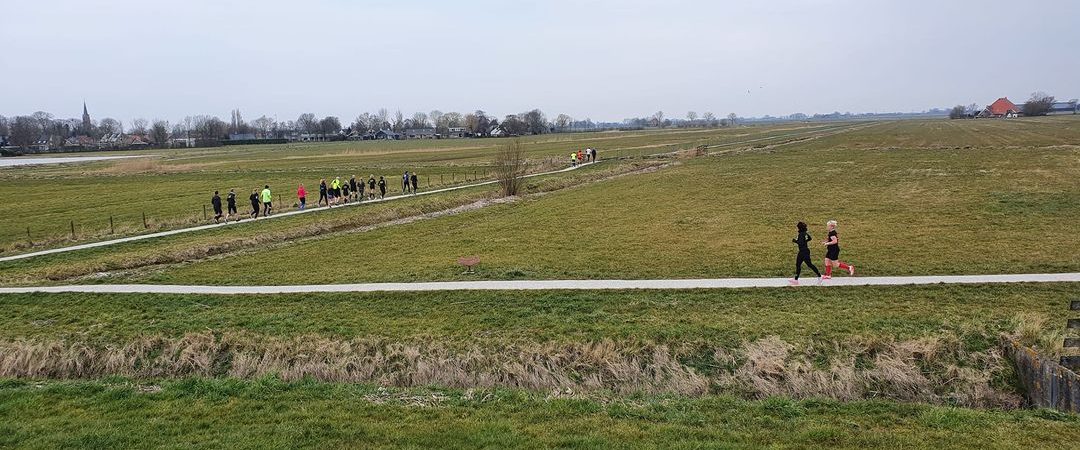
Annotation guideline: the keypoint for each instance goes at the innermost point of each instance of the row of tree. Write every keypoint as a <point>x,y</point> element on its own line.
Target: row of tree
<point>42,128</point>
<point>658,120</point>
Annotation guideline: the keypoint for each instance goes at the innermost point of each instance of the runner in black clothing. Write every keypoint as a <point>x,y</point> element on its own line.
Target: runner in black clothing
<point>405,182</point>
<point>360,191</point>
<point>322,193</point>
<point>255,204</point>
<point>382,187</point>
<point>344,192</point>
<point>352,185</point>
<point>216,201</point>
<point>414,181</point>
<point>832,253</point>
<point>231,200</point>
<point>371,187</point>
<point>803,240</point>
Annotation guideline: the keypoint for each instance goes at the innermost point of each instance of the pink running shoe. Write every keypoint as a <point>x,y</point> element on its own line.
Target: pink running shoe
<point>851,270</point>
<point>793,282</point>
<point>826,277</point>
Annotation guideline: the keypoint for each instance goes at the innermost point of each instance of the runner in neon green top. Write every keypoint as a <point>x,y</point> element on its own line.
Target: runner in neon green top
<point>266,198</point>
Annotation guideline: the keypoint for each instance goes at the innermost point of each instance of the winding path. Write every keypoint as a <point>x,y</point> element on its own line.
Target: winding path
<point>538,285</point>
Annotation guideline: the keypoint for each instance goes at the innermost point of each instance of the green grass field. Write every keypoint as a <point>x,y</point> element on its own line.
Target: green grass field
<point>839,367</point>
<point>173,186</point>
<point>902,211</point>
<point>271,414</point>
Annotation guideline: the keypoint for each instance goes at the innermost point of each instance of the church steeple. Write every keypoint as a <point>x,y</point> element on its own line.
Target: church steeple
<point>86,124</point>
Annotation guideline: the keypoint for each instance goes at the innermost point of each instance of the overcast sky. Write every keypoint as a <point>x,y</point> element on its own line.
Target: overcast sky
<point>602,59</point>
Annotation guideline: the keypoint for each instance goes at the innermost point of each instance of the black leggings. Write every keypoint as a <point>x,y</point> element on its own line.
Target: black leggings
<point>804,257</point>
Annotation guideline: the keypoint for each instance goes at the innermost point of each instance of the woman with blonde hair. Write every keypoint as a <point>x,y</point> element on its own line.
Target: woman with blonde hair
<point>832,252</point>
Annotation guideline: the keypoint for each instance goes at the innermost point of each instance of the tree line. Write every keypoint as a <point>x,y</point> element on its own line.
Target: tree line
<point>42,128</point>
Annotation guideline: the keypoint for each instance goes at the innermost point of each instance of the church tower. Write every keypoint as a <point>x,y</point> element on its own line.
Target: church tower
<point>86,124</point>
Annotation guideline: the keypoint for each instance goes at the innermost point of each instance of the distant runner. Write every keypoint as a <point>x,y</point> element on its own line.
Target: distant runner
<point>345,193</point>
<point>371,187</point>
<point>266,200</point>
<point>382,187</point>
<point>803,241</point>
<point>573,159</point>
<point>415,182</point>
<point>352,186</point>
<point>231,201</point>
<point>301,194</point>
<point>405,182</point>
<point>255,203</point>
<point>322,193</point>
<point>216,202</point>
<point>832,253</point>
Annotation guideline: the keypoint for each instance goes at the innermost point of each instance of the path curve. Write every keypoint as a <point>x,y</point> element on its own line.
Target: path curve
<point>541,285</point>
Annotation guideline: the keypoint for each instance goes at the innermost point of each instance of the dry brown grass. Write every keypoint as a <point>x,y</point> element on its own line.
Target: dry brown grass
<point>146,165</point>
<point>929,370</point>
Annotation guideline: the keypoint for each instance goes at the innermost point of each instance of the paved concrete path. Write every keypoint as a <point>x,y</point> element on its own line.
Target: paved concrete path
<point>721,283</point>
<point>274,216</point>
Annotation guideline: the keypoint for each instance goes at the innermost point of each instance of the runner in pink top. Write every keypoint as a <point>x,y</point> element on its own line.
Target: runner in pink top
<point>301,194</point>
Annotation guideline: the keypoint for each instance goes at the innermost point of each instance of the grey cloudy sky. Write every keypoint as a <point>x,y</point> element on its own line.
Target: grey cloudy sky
<point>603,59</point>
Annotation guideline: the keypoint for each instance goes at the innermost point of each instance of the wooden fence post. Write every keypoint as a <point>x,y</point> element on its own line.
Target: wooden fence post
<point>144,220</point>
<point>112,228</point>
<point>203,212</point>
<point>73,230</point>
<point>28,238</point>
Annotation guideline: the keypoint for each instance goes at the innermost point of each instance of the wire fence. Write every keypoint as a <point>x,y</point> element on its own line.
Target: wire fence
<point>52,233</point>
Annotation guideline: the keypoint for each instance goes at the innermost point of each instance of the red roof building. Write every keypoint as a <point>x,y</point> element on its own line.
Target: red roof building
<point>1002,107</point>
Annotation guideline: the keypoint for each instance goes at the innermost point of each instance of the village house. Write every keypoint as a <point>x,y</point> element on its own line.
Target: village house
<point>456,132</point>
<point>419,133</point>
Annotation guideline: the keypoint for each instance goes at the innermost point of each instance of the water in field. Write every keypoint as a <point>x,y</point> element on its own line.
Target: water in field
<point>21,161</point>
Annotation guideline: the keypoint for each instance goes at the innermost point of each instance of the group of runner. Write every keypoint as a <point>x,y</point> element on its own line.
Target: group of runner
<point>832,252</point>
<point>337,192</point>
<point>582,156</point>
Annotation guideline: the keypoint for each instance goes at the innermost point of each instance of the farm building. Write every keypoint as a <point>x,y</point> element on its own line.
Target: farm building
<point>1001,108</point>
<point>1069,107</point>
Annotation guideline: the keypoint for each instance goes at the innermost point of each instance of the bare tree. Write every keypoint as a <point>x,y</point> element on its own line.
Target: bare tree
<point>4,126</point>
<point>330,125</point>
<point>454,119</point>
<point>957,112</point>
<point>691,116</point>
<point>264,125</point>
<point>563,121</point>
<point>510,167</point>
<point>159,132</point>
<point>384,118</point>
<point>536,121</point>
<point>512,125</point>
<point>109,125</point>
<point>658,119</point>
<point>710,119</point>
<point>436,118</point>
<point>420,120</point>
<point>307,123</point>
<point>25,130</point>
<point>732,118</point>
<point>399,121</point>
<point>1039,104</point>
<point>138,126</point>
